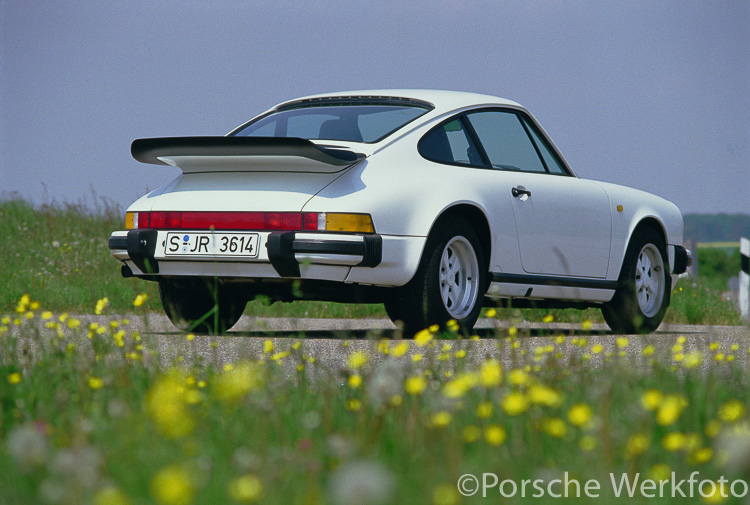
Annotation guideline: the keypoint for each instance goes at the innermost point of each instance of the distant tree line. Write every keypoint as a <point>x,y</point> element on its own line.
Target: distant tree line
<point>717,227</point>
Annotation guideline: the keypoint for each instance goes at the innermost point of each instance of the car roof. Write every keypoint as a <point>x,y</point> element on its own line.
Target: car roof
<point>442,100</point>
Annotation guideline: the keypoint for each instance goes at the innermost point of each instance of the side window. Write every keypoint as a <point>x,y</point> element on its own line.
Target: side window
<point>505,141</point>
<point>449,143</point>
<point>553,163</point>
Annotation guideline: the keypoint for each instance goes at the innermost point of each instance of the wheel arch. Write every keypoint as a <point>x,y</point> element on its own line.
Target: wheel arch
<point>648,222</point>
<point>476,218</point>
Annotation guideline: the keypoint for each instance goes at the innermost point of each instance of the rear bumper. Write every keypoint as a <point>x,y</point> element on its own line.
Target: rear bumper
<point>284,251</point>
<point>683,259</point>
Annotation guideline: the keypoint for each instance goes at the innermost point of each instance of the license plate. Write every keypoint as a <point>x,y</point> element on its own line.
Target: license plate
<point>243,245</point>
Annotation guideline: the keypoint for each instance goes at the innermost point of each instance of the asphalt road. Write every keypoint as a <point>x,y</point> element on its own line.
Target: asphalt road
<point>331,341</point>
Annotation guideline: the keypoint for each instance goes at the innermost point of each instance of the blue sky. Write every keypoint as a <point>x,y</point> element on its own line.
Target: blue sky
<point>653,95</point>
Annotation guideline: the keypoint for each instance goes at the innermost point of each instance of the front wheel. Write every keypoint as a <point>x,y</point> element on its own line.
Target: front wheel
<point>642,298</point>
<point>200,307</point>
<point>449,284</point>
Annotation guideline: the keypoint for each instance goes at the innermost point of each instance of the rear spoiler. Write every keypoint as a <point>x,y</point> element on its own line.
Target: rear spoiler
<point>240,154</point>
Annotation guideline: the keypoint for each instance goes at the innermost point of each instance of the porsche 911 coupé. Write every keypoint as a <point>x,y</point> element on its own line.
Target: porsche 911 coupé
<point>434,203</point>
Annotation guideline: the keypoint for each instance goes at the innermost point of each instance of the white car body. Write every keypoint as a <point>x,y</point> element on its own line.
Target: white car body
<point>566,241</point>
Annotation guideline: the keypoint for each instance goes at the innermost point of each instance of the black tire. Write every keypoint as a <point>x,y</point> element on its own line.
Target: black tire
<point>444,287</point>
<point>201,307</point>
<point>645,284</point>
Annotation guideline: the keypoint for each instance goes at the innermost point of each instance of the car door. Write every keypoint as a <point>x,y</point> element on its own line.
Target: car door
<point>563,222</point>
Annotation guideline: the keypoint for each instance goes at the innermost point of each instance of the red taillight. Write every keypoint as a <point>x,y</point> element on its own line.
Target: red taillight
<point>258,221</point>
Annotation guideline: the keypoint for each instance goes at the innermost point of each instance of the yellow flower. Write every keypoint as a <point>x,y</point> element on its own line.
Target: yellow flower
<point>555,427</point>
<point>95,383</point>
<point>484,410</point>
<point>445,494</point>
<point>587,324</point>
<point>490,373</point>
<point>580,414</point>
<point>670,410</point>
<point>355,380</point>
<point>233,384</point>
<point>246,489</point>
<point>518,377</point>
<point>622,342</point>
<point>731,411</point>
<point>512,331</point>
<point>440,419</point>
<point>354,405</point>
<point>542,395</point>
<point>637,444</point>
<point>491,313</point>
<point>73,323</point>
<point>452,325</point>
<point>494,435</point>
<point>101,305</point>
<point>674,441</point>
<point>651,399</point>
<point>459,386</point>
<point>713,428</point>
<point>648,350</point>
<point>140,299</point>
<point>461,353</point>
<point>172,485</point>
<point>268,347</point>
<point>165,403</point>
<point>693,359</point>
<point>415,385</point>
<point>400,349</point>
<point>110,496</point>
<point>718,493</point>
<point>701,455</point>
<point>597,348</point>
<point>14,378</point>
<point>659,472</point>
<point>548,318</point>
<point>423,337</point>
<point>515,403</point>
<point>417,357</point>
<point>357,359</point>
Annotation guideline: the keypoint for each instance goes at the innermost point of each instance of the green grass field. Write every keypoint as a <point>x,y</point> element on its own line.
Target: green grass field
<point>92,414</point>
<point>59,255</point>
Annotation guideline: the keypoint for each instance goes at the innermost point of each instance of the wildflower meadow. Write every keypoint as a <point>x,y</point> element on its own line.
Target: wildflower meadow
<point>92,414</point>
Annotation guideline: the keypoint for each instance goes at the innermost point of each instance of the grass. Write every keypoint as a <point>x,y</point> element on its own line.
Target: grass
<point>91,414</point>
<point>60,253</point>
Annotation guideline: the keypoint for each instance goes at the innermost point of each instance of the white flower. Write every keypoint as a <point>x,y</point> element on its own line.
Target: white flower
<point>361,483</point>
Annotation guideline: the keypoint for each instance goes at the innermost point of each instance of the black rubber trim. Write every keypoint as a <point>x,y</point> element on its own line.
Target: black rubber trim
<point>681,260</point>
<point>373,251</point>
<point>117,243</point>
<point>149,150</point>
<point>141,246</point>
<point>328,247</point>
<point>282,247</point>
<point>745,264</point>
<point>281,254</point>
<point>542,280</point>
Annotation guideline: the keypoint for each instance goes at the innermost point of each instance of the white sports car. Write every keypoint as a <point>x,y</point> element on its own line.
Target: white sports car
<point>434,203</point>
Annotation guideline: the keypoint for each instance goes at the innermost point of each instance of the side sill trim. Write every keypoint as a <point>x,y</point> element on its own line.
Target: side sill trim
<point>542,280</point>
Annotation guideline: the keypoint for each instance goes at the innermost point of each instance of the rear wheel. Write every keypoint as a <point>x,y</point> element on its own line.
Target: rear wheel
<point>642,298</point>
<point>449,284</point>
<point>201,307</point>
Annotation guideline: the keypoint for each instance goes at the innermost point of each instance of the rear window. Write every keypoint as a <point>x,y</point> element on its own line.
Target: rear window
<point>348,122</point>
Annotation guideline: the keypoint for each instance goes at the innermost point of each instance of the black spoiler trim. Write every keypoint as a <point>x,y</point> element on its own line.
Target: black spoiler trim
<point>151,149</point>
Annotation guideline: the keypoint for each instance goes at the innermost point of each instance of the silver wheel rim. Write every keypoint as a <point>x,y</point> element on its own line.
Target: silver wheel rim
<point>459,277</point>
<point>649,280</point>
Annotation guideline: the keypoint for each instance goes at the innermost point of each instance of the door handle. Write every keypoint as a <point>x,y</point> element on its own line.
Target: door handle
<point>519,191</point>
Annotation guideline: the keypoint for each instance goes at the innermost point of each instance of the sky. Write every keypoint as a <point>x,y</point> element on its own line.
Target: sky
<point>649,94</point>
